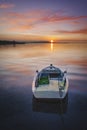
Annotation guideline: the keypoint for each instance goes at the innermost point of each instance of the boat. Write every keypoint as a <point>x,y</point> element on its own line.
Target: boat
<point>50,83</point>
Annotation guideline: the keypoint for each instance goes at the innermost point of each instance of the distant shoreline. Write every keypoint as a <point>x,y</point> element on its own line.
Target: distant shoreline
<point>14,43</point>
<point>4,42</point>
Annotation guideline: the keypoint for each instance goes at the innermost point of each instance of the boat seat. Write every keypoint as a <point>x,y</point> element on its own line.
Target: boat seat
<point>43,79</point>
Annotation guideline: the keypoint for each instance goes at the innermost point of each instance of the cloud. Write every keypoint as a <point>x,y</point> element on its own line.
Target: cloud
<point>80,31</point>
<point>42,16</point>
<point>23,21</point>
<point>21,28</point>
<point>36,17</point>
<point>17,21</point>
<point>17,18</point>
<point>16,15</point>
<point>5,6</point>
<point>59,18</point>
<point>75,22</point>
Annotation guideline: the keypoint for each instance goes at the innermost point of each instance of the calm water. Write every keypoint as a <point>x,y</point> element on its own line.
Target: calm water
<point>19,110</point>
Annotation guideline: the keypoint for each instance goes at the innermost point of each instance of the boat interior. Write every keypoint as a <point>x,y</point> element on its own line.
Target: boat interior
<point>50,80</point>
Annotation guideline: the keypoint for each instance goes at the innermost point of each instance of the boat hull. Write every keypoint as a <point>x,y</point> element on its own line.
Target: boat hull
<point>50,94</point>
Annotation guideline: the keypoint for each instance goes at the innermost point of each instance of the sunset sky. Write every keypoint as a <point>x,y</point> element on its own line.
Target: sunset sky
<point>26,20</point>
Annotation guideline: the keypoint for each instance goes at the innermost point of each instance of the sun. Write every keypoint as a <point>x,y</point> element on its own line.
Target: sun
<point>51,40</point>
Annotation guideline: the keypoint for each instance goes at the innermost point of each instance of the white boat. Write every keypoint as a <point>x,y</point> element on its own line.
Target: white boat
<point>50,83</point>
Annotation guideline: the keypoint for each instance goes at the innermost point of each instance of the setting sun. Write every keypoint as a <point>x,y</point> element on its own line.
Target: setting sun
<point>51,40</point>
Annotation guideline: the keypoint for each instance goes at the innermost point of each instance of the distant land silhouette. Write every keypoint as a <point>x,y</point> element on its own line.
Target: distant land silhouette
<point>6,42</point>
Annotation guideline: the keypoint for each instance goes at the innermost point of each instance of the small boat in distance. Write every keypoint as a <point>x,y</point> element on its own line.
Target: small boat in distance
<point>50,83</point>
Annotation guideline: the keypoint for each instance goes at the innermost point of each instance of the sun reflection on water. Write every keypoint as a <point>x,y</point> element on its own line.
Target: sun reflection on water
<point>51,46</point>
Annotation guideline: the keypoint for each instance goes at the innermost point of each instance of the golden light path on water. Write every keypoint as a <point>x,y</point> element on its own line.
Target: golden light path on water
<point>51,46</point>
<point>29,57</point>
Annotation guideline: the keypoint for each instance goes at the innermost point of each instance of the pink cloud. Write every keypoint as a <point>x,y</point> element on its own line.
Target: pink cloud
<point>41,16</point>
<point>75,22</point>
<point>80,31</point>
<point>58,18</point>
<point>5,6</point>
<point>29,19</point>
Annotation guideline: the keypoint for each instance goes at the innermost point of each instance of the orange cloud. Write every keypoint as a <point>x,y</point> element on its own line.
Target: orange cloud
<point>21,28</point>
<point>16,14</point>
<point>80,31</point>
<point>17,21</point>
<point>17,18</point>
<point>5,6</point>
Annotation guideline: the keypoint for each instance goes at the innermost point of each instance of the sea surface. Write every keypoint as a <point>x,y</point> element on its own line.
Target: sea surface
<point>18,65</point>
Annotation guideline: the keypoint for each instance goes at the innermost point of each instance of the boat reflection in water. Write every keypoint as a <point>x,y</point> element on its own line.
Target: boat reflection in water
<point>50,106</point>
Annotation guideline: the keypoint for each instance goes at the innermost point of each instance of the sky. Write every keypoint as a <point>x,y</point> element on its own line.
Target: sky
<point>33,20</point>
